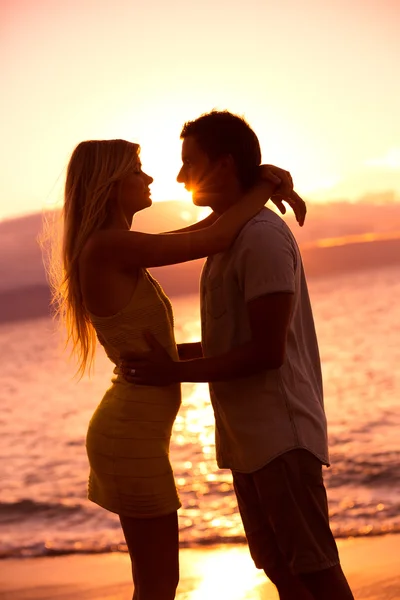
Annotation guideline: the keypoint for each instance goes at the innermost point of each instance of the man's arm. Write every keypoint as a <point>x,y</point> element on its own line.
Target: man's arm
<point>269,318</point>
<point>190,351</point>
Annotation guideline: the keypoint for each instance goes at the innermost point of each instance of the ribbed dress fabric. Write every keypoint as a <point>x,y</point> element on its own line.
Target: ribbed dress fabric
<point>129,434</point>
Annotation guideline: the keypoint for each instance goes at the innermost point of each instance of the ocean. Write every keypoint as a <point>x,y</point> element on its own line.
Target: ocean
<point>45,413</point>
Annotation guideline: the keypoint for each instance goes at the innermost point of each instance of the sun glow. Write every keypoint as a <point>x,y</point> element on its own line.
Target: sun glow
<point>312,116</point>
<point>391,160</point>
<point>164,188</point>
<point>164,168</point>
<point>230,574</point>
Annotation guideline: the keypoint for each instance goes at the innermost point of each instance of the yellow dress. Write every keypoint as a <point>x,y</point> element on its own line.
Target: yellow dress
<point>129,434</point>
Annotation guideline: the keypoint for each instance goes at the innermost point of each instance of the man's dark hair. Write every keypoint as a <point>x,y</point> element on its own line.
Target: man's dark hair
<point>220,133</point>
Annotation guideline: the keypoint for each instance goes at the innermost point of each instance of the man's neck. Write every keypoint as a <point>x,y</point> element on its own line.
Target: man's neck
<point>227,199</point>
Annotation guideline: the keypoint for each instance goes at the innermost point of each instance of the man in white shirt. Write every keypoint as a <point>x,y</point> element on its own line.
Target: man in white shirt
<point>259,353</point>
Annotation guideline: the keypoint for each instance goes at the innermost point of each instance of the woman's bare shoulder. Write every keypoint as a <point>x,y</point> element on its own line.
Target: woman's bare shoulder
<point>98,246</point>
<point>105,284</point>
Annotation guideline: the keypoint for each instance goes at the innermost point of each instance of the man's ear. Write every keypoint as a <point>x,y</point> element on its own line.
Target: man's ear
<point>227,162</point>
<point>225,166</point>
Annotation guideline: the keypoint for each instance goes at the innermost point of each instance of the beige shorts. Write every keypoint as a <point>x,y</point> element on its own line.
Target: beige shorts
<point>284,510</point>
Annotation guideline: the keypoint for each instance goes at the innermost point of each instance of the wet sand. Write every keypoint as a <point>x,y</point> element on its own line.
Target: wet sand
<point>372,566</point>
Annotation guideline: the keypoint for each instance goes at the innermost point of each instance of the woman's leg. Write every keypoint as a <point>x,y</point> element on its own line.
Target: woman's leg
<point>153,546</point>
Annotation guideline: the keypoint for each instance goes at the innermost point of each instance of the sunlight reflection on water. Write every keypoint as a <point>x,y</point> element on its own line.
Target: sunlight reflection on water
<point>229,574</point>
<point>45,415</point>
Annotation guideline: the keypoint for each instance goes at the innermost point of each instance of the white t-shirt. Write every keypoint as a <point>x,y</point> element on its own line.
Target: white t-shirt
<point>264,415</point>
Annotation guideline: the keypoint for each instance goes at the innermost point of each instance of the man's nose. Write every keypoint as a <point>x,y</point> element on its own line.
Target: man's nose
<point>180,178</point>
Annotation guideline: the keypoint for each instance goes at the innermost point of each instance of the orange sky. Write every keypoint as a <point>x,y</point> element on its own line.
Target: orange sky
<point>317,81</point>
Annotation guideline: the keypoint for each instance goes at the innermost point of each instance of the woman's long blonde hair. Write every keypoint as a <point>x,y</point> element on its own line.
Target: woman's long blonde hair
<point>93,170</point>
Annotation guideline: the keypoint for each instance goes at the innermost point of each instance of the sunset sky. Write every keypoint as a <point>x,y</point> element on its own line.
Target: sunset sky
<point>317,79</point>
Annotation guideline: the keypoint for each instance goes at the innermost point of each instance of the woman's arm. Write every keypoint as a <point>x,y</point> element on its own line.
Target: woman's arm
<point>199,225</point>
<point>275,175</point>
<point>296,203</point>
<point>132,250</point>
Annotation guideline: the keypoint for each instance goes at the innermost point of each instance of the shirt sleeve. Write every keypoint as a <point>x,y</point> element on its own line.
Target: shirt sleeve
<point>266,260</point>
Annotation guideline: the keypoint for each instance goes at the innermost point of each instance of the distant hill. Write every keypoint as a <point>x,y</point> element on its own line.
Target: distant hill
<point>24,293</point>
<point>23,304</point>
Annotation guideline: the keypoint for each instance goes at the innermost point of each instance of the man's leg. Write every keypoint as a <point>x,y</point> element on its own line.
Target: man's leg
<point>292,491</point>
<point>262,544</point>
<point>329,584</point>
<point>289,586</point>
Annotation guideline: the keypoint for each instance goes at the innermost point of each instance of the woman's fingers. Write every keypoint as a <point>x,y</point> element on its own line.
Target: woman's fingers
<point>278,203</point>
<point>296,203</point>
<point>299,207</point>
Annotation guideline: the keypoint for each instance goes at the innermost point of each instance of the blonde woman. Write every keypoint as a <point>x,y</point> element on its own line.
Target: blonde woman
<point>107,293</point>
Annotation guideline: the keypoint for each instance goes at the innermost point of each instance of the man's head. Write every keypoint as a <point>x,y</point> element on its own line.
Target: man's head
<point>220,155</point>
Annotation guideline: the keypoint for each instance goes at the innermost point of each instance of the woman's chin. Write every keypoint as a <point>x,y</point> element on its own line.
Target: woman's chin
<point>148,202</point>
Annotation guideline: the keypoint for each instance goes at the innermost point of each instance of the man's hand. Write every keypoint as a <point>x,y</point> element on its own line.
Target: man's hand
<point>284,191</point>
<point>155,367</point>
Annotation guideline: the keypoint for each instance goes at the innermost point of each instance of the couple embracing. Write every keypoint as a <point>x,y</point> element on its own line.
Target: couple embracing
<point>258,353</point>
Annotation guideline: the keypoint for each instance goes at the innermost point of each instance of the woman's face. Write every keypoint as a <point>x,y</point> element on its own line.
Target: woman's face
<point>134,191</point>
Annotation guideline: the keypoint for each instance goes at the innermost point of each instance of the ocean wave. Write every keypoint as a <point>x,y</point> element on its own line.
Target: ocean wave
<point>37,550</point>
<point>374,470</point>
<point>26,509</point>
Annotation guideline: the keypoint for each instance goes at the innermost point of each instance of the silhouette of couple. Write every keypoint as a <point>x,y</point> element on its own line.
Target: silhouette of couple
<point>258,352</point>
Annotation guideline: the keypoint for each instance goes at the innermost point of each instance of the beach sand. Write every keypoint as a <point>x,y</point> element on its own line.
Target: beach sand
<point>372,566</point>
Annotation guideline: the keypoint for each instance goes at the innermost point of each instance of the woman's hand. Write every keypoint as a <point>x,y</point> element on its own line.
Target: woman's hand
<point>296,203</point>
<point>284,191</point>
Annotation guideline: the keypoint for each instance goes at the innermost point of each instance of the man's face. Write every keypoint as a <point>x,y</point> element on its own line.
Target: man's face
<point>199,175</point>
